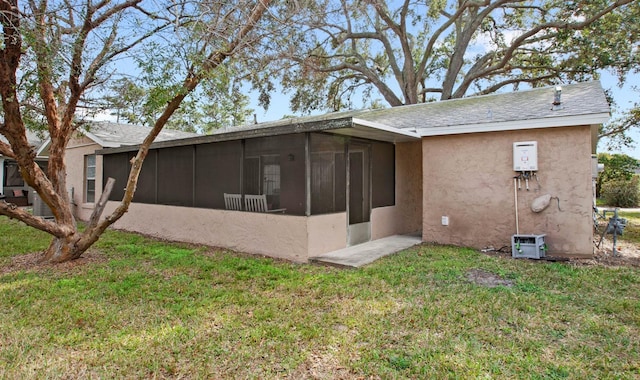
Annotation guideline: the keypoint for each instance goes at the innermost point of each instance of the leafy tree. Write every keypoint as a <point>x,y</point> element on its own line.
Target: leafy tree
<point>217,103</point>
<point>617,130</point>
<point>410,52</point>
<point>617,167</point>
<point>621,193</point>
<point>54,55</point>
<point>126,101</point>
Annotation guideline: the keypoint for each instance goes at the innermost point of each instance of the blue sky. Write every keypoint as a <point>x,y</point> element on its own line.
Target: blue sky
<point>625,98</point>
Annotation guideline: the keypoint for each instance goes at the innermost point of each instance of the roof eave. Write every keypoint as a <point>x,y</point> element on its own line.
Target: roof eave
<point>549,122</point>
<point>292,127</point>
<point>383,132</point>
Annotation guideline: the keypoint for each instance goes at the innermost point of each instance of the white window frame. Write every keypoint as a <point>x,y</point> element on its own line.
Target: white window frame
<point>89,181</point>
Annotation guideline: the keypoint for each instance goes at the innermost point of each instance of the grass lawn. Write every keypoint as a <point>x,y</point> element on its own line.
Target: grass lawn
<point>161,310</point>
<point>632,230</point>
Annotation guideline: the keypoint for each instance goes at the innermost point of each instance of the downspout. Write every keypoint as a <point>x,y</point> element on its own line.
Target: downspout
<point>515,196</point>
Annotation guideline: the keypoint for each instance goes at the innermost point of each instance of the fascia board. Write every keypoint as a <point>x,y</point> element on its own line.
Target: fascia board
<point>98,140</point>
<point>385,128</point>
<point>90,135</point>
<point>551,122</point>
<point>43,147</point>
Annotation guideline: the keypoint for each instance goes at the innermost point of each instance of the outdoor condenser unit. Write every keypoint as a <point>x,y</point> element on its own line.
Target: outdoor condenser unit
<point>40,208</point>
<point>528,246</point>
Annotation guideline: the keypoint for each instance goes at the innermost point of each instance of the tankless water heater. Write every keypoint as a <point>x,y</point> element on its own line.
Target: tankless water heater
<point>525,156</point>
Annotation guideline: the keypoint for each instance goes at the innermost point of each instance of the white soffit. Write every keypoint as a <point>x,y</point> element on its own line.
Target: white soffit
<point>550,122</point>
<point>375,131</point>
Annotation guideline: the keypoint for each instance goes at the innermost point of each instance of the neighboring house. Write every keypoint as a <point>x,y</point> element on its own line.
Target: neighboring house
<point>12,186</point>
<point>446,170</point>
<point>84,173</point>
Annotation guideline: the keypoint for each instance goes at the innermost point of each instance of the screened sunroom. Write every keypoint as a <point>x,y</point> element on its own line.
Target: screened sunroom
<point>296,171</point>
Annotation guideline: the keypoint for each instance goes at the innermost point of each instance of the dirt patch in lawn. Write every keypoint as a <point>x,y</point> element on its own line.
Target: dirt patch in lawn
<point>627,254</point>
<point>488,279</point>
<point>33,262</point>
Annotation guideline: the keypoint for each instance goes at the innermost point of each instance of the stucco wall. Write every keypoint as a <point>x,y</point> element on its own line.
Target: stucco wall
<point>282,236</point>
<point>469,178</point>
<point>406,215</point>
<point>326,233</point>
<point>77,149</point>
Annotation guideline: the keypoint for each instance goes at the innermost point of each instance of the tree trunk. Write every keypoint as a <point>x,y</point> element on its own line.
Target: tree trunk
<point>59,109</point>
<point>63,249</point>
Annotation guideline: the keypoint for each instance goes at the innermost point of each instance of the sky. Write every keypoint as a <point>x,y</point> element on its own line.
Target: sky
<point>625,98</point>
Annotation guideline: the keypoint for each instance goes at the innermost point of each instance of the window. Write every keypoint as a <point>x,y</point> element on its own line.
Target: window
<point>271,175</point>
<point>275,166</point>
<point>12,175</point>
<point>262,176</point>
<point>90,178</point>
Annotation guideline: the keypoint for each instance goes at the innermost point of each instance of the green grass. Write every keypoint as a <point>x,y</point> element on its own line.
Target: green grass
<point>632,230</point>
<point>160,310</point>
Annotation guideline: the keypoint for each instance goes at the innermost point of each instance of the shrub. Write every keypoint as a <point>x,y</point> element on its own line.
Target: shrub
<point>616,167</point>
<point>621,193</point>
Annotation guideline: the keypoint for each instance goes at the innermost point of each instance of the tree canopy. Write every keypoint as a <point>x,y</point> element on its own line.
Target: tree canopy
<point>57,56</point>
<point>616,132</point>
<point>218,103</point>
<point>617,167</point>
<point>408,52</point>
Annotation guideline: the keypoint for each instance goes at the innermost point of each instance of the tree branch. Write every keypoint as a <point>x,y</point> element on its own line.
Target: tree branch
<point>192,80</point>
<point>13,211</point>
<point>524,39</point>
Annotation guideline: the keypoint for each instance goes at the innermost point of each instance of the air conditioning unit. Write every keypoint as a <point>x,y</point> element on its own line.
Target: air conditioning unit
<point>40,208</point>
<point>528,246</point>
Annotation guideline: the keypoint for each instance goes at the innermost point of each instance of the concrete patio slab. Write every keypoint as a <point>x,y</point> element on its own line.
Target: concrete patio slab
<point>366,253</point>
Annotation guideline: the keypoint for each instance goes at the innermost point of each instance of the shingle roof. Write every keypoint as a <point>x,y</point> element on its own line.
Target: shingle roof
<point>577,99</point>
<point>582,104</point>
<point>113,134</point>
<point>34,138</point>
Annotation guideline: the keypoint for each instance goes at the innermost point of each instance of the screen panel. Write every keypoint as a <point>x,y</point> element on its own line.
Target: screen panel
<point>218,168</point>
<point>146,191</point>
<point>328,174</point>
<point>383,181</point>
<point>175,176</point>
<point>116,166</point>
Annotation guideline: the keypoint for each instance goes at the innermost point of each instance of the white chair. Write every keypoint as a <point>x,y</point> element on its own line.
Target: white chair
<point>233,202</point>
<point>258,203</point>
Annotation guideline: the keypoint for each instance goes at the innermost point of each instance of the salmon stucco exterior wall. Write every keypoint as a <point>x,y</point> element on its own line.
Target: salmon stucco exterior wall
<point>406,215</point>
<point>281,236</point>
<point>77,149</point>
<point>470,179</point>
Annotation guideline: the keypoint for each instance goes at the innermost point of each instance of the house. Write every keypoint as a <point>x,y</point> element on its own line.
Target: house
<point>84,179</point>
<point>12,187</point>
<point>462,172</point>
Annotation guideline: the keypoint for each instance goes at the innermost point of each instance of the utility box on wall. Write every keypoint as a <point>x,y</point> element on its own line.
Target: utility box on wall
<point>528,246</point>
<point>525,156</point>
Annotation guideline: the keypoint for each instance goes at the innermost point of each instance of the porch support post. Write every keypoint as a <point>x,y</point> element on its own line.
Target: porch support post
<point>242,144</point>
<point>307,173</point>
<point>156,155</point>
<point>1,175</point>
<point>193,175</point>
